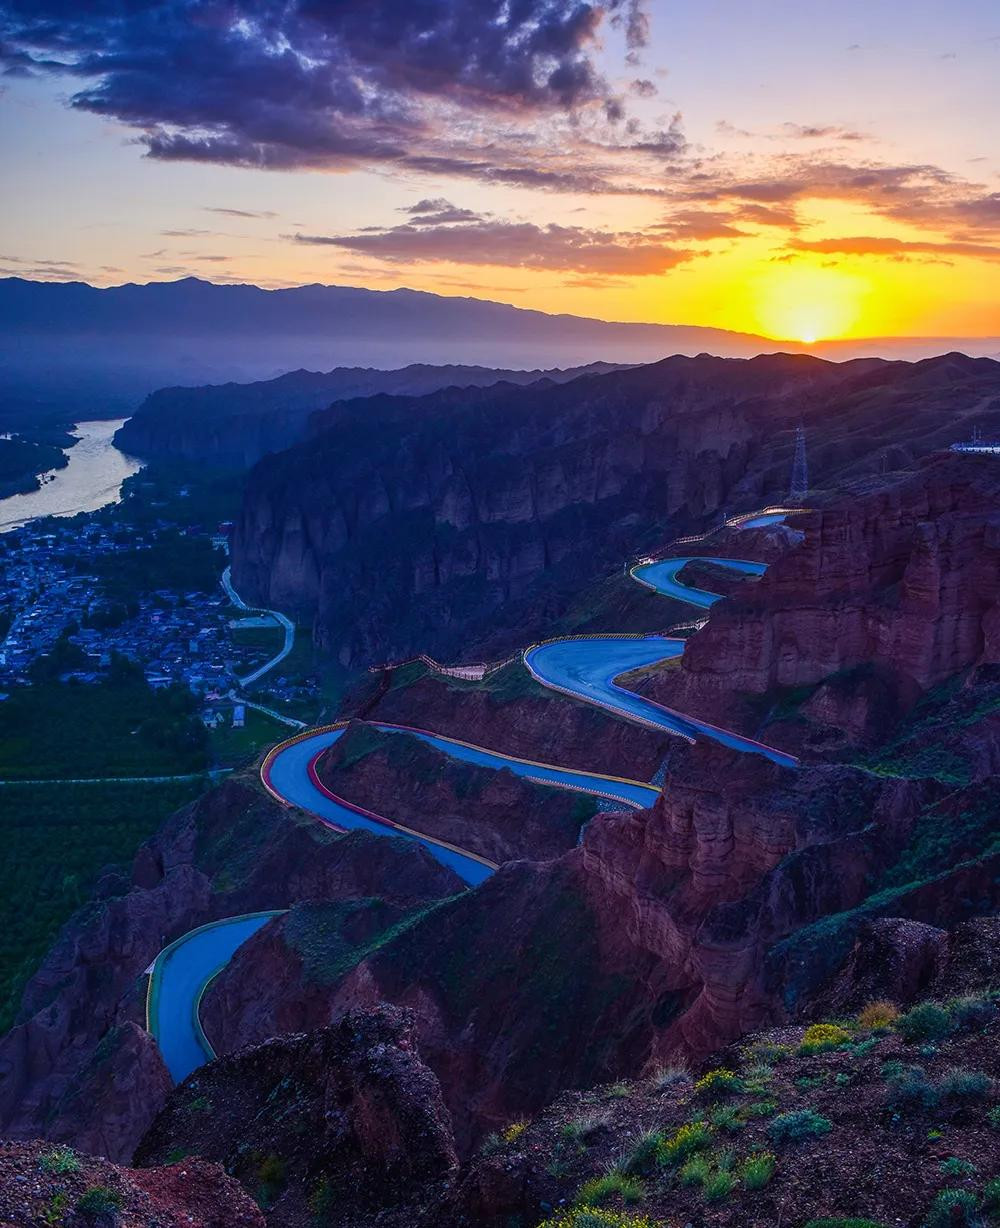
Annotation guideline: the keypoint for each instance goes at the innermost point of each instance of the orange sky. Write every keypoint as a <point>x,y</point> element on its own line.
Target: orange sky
<point>795,169</point>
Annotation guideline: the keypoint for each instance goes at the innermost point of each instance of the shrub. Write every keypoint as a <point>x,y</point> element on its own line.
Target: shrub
<point>758,1169</point>
<point>726,1117</point>
<point>60,1161</point>
<point>993,1117</point>
<point>685,1141</point>
<point>960,1084</point>
<point>99,1200</point>
<point>954,1167</point>
<point>618,1090</point>
<point>581,1129</point>
<point>718,1186</point>
<point>910,1090</point>
<point>861,1048</point>
<point>55,1212</point>
<point>991,1195</point>
<point>844,1223</point>
<point>953,1209</point>
<point>670,1076</point>
<point>271,1173</point>
<point>877,1015</point>
<point>646,1152</point>
<point>514,1131</point>
<point>599,1189</point>
<point>491,1144</point>
<point>821,1037</point>
<point>767,1053</point>
<point>971,1012</point>
<point>761,1108</point>
<point>927,1021</point>
<point>718,1082</point>
<point>695,1171</point>
<point>598,1217</point>
<point>797,1125</point>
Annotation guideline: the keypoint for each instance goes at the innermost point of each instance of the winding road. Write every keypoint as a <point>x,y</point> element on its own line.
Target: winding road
<point>585,668</point>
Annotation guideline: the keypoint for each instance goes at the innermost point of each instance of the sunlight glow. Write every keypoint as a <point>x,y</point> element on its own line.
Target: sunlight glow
<point>808,303</point>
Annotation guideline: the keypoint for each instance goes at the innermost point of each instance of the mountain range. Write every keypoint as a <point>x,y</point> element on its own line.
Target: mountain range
<point>113,346</point>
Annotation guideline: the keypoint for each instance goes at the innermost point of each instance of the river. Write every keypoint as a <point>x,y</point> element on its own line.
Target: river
<point>92,479</point>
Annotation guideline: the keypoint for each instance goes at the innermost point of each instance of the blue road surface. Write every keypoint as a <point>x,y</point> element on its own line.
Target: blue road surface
<point>180,973</point>
<point>585,668</point>
<point>663,577</point>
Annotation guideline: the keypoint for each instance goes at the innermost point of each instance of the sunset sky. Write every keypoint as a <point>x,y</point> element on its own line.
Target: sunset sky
<point>803,170</point>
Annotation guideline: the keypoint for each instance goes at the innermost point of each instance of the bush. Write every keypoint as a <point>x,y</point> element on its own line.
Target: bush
<point>718,1186</point>
<point>928,1021</point>
<point>646,1152</point>
<point>910,1090</point>
<point>726,1117</point>
<point>821,1037</point>
<point>844,1223</point>
<point>581,1129</point>
<point>597,1217</point>
<point>670,1076</point>
<point>953,1209</point>
<point>99,1200</point>
<point>718,1082</point>
<point>972,1012</point>
<point>761,1108</point>
<point>599,1189</point>
<point>877,1015</point>
<point>60,1161</point>
<point>685,1141</point>
<point>798,1125</point>
<point>514,1131</point>
<point>993,1118</point>
<point>960,1084</point>
<point>758,1169</point>
<point>991,1196</point>
<point>954,1167</point>
<point>695,1171</point>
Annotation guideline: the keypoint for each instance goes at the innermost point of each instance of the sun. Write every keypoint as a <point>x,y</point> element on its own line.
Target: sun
<point>807,304</point>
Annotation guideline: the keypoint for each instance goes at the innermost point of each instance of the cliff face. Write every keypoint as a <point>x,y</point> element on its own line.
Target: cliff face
<point>234,425</point>
<point>78,1066</point>
<point>903,581</point>
<point>469,519</point>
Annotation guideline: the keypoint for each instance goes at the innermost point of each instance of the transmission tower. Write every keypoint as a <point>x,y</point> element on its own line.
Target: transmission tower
<point>799,487</point>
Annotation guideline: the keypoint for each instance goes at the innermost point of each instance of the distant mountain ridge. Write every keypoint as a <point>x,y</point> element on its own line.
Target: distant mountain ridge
<point>122,342</point>
<point>236,424</point>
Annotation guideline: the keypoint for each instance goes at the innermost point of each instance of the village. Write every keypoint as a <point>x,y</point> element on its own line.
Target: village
<point>53,591</point>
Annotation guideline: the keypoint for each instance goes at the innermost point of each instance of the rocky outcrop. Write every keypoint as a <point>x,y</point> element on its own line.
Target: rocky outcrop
<point>77,1065</point>
<point>344,1125</point>
<point>471,519</point>
<point>39,1185</point>
<point>889,593</point>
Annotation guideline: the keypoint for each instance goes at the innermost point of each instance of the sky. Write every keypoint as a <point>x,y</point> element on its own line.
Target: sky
<point>802,170</point>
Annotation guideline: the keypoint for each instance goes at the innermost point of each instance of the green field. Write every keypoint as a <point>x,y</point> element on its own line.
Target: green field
<point>120,727</point>
<point>233,747</point>
<point>56,840</point>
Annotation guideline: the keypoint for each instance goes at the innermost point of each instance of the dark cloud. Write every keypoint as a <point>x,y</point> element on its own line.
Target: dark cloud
<point>643,88</point>
<point>437,212</point>
<point>515,245</point>
<point>314,83</point>
<point>245,213</point>
<point>829,132</point>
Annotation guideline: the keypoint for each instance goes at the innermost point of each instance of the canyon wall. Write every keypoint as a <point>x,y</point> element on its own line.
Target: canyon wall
<point>470,519</point>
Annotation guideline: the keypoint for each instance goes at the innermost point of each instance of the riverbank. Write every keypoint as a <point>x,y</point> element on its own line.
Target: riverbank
<point>81,477</point>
